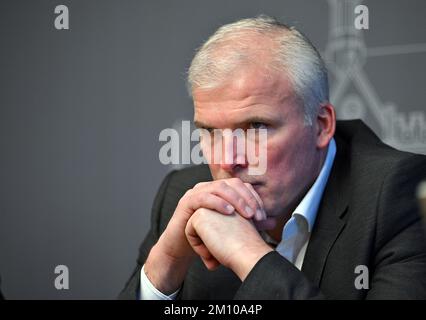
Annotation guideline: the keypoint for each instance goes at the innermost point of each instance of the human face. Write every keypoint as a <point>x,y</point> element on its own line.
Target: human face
<point>254,98</point>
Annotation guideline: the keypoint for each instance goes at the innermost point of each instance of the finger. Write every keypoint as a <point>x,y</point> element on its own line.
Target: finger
<point>195,241</point>
<point>260,213</point>
<point>248,193</point>
<point>233,197</point>
<point>211,264</point>
<point>200,249</point>
<point>210,201</point>
<point>201,184</point>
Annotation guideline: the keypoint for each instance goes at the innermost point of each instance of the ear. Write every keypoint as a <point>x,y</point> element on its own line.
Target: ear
<point>326,124</point>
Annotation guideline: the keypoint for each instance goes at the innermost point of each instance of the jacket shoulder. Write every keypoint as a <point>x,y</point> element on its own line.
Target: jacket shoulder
<point>368,151</point>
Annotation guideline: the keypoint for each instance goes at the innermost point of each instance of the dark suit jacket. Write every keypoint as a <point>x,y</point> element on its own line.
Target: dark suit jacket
<point>368,216</point>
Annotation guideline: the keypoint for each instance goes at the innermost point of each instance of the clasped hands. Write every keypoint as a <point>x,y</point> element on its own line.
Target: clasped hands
<point>217,220</point>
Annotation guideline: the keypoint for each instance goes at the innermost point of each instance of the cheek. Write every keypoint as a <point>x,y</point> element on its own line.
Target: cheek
<point>281,179</point>
<point>280,170</point>
<point>284,167</point>
<point>280,157</point>
<point>290,152</point>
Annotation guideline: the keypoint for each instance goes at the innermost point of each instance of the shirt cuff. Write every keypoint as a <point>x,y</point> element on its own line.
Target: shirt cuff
<point>147,290</point>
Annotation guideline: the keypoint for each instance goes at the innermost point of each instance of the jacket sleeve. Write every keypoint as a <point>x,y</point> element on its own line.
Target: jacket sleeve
<point>132,286</point>
<point>274,278</point>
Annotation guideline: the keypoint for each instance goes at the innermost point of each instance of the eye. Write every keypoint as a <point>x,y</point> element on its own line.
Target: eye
<point>258,125</point>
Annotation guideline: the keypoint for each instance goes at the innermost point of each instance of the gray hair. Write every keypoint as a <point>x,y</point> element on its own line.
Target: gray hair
<point>293,55</point>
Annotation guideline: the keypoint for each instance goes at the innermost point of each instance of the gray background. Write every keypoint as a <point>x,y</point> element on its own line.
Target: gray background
<point>81,111</point>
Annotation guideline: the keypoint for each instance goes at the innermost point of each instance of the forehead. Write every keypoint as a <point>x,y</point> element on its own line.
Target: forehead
<point>248,80</point>
<point>251,91</point>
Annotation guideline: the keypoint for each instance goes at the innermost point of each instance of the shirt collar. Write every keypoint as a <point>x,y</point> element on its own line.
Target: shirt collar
<point>308,207</point>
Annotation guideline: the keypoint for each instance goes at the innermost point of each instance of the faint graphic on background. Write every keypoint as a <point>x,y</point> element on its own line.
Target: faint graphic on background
<point>354,96</point>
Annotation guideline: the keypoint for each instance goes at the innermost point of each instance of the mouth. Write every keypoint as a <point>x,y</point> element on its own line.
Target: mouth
<point>255,184</point>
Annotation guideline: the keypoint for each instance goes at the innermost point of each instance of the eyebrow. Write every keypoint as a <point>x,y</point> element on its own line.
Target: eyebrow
<point>266,120</point>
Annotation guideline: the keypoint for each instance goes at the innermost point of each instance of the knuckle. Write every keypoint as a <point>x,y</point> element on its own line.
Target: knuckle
<point>253,202</point>
<point>201,212</point>
<point>223,203</point>
<point>203,197</point>
<point>239,184</point>
<point>199,184</point>
<point>236,181</point>
<point>241,202</point>
<point>223,185</point>
<point>187,195</point>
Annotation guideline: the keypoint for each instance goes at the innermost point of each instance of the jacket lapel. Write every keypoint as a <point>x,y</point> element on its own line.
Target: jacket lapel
<point>329,222</point>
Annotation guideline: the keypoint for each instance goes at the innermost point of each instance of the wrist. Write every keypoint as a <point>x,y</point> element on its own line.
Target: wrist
<point>165,272</point>
<point>245,261</point>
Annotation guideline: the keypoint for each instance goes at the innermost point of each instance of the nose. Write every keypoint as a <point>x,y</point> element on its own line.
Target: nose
<point>232,167</point>
<point>233,154</point>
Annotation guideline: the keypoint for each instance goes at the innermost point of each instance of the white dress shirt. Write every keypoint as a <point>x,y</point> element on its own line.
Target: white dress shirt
<point>295,235</point>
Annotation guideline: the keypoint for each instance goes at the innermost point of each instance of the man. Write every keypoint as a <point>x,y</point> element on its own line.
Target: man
<point>334,201</point>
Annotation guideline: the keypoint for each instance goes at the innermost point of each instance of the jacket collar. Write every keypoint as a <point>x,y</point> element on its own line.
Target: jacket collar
<point>330,217</point>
